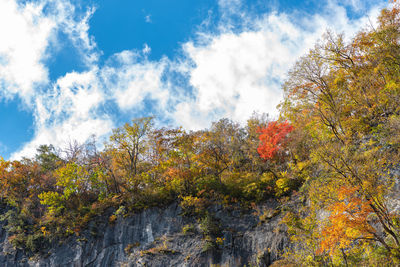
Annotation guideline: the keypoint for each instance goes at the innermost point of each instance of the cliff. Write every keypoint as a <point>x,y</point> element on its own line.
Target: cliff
<point>166,237</point>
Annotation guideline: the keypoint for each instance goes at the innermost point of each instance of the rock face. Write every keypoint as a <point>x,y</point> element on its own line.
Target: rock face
<point>165,237</point>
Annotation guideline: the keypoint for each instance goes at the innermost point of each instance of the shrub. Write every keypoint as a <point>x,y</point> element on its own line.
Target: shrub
<point>188,229</point>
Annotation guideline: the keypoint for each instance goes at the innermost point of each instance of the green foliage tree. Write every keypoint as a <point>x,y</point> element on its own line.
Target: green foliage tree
<point>47,157</point>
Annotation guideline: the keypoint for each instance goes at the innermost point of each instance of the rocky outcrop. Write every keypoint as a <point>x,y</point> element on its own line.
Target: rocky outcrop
<point>165,237</point>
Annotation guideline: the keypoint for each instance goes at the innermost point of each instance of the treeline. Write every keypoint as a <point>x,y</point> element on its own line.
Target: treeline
<point>58,191</point>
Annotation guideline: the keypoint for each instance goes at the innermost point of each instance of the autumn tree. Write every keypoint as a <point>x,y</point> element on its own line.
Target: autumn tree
<point>273,138</point>
<point>127,145</point>
<point>175,152</point>
<point>221,147</point>
<point>345,97</point>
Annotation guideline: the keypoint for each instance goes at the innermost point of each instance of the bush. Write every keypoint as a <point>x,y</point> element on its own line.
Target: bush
<point>188,229</point>
<point>193,205</point>
<point>209,227</point>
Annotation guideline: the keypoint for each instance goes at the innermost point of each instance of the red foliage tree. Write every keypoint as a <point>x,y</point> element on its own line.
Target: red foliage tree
<point>272,138</point>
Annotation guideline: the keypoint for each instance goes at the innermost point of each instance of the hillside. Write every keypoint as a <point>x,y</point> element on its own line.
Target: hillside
<point>317,187</point>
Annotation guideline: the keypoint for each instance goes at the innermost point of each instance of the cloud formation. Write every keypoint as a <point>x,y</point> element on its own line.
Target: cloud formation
<point>227,70</point>
<point>130,78</point>
<point>68,112</point>
<point>63,110</point>
<point>25,36</point>
<point>236,73</point>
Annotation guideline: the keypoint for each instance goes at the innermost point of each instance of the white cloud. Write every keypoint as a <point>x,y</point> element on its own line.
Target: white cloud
<point>146,49</point>
<point>147,18</point>
<point>131,78</point>
<point>235,74</point>
<point>28,33</point>
<point>24,34</point>
<point>66,109</point>
<point>229,7</point>
<point>68,112</point>
<point>76,27</point>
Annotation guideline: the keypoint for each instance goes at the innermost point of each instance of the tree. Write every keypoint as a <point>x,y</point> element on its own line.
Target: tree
<point>273,138</point>
<point>220,148</point>
<point>173,159</point>
<point>345,97</point>
<point>127,144</point>
<point>348,221</point>
<point>47,157</point>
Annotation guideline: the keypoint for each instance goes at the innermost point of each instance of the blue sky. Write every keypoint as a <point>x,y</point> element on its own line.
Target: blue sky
<point>73,68</point>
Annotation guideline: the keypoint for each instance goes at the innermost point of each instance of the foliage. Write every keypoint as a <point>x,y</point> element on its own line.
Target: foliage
<point>188,229</point>
<point>342,100</point>
<point>56,193</point>
<point>273,138</point>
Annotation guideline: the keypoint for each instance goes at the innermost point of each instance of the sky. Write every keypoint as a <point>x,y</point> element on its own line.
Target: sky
<point>71,69</point>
